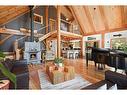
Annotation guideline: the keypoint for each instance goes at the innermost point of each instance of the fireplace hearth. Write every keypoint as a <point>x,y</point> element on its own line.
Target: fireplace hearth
<point>32,52</point>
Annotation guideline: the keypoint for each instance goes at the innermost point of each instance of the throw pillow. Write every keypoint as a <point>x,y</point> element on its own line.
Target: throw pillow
<point>114,87</point>
<point>103,87</point>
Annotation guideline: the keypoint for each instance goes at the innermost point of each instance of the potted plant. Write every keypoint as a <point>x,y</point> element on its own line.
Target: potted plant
<point>2,56</point>
<point>58,61</point>
<point>5,71</point>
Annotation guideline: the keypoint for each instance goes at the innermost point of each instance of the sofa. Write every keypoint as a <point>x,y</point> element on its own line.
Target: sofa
<point>110,57</point>
<point>111,78</point>
<point>118,60</point>
<point>20,69</point>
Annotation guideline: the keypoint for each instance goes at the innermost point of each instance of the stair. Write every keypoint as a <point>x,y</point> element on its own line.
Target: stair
<point>47,35</point>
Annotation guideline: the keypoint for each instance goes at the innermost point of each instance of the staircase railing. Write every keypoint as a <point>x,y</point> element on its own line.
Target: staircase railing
<point>49,28</point>
<point>69,27</point>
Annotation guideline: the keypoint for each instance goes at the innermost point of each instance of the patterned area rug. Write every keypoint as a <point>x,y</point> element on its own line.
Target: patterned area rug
<point>77,83</point>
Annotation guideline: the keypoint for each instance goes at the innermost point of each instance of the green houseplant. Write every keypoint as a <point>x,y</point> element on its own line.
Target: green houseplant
<point>58,61</point>
<point>5,71</point>
<point>2,56</point>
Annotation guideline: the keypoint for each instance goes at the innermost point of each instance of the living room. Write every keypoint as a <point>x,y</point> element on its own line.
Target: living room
<point>63,47</point>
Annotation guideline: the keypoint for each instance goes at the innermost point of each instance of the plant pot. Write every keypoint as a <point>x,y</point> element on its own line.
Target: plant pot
<point>61,69</point>
<point>61,64</point>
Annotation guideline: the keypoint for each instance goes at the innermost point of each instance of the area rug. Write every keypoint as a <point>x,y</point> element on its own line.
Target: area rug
<point>77,83</point>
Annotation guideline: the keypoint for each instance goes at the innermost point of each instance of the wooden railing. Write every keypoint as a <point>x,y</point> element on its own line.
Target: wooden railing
<point>69,27</point>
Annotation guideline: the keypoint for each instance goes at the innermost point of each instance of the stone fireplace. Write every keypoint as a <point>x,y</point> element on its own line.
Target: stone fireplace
<point>32,52</point>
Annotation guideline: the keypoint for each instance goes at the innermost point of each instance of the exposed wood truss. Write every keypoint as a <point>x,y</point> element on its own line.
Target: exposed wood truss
<point>111,30</point>
<point>6,38</point>
<point>71,35</point>
<point>91,19</point>
<point>17,32</point>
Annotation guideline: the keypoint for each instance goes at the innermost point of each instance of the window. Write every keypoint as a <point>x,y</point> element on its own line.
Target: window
<point>38,19</point>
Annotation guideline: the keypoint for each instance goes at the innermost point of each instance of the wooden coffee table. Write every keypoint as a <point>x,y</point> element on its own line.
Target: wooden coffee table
<point>60,74</point>
<point>4,84</point>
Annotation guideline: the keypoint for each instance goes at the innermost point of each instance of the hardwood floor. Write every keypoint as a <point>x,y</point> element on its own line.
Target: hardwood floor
<point>91,73</point>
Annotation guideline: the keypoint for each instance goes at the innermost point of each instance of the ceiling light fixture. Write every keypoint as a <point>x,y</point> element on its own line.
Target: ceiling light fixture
<point>67,19</point>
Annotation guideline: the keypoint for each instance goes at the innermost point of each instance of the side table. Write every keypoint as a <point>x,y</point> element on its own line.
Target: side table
<point>4,84</point>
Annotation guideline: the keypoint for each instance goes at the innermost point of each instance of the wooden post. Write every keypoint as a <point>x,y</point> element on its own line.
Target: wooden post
<point>47,24</point>
<point>58,33</point>
<point>82,47</point>
<point>102,40</point>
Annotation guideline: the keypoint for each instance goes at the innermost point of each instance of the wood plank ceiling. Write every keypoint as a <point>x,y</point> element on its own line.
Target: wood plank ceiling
<point>67,13</point>
<point>8,13</point>
<point>91,19</point>
<point>100,19</point>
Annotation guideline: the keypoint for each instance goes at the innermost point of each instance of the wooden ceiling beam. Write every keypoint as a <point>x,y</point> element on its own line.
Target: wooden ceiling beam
<point>17,32</point>
<point>89,18</point>
<point>104,18</point>
<point>77,21</point>
<point>109,31</point>
<point>71,35</point>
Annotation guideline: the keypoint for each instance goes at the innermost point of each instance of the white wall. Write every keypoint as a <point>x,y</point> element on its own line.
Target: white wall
<point>109,36</point>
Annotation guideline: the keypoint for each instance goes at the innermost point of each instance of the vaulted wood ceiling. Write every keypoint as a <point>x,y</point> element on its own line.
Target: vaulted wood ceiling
<point>97,19</point>
<point>8,13</point>
<point>67,13</point>
<point>91,19</point>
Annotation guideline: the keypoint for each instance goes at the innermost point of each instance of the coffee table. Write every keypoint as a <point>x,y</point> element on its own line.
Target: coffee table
<point>60,74</point>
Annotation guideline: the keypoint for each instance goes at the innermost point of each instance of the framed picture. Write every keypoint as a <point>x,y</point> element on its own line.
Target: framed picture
<point>38,19</point>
